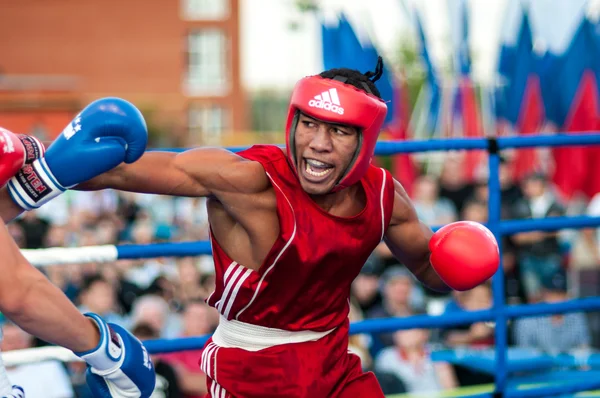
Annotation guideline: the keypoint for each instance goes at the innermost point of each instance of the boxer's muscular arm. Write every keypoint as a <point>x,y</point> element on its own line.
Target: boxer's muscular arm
<point>29,300</point>
<point>408,239</point>
<point>196,172</point>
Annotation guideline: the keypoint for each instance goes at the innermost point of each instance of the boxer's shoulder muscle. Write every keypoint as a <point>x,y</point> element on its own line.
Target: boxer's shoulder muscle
<point>222,172</point>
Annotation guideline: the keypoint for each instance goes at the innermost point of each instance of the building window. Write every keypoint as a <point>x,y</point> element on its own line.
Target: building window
<point>207,123</point>
<point>198,10</point>
<point>207,63</point>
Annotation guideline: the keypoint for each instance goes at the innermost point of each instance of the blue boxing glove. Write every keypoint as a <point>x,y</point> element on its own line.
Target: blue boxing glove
<point>119,367</point>
<point>16,392</point>
<point>106,133</point>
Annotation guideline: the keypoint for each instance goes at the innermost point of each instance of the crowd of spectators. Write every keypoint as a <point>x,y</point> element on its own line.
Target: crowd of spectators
<point>164,297</point>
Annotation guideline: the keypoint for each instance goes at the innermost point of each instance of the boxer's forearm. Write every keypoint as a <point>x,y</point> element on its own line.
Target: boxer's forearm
<point>154,172</point>
<point>44,311</point>
<point>9,210</point>
<point>32,302</point>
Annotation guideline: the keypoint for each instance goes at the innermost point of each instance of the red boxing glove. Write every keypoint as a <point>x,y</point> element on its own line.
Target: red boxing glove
<point>464,254</point>
<point>15,152</point>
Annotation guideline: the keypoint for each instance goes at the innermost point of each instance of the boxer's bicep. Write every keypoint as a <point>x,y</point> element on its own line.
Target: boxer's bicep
<point>408,240</point>
<point>216,171</point>
<point>407,237</point>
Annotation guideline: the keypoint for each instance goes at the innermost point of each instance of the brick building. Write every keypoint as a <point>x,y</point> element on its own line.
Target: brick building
<point>177,60</point>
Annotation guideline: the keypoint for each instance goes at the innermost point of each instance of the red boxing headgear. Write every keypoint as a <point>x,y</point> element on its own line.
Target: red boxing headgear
<point>333,101</point>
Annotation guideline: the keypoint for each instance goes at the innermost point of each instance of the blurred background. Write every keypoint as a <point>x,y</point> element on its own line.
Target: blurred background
<point>220,72</point>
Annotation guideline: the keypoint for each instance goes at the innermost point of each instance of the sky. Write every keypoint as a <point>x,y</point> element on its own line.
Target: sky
<point>275,56</point>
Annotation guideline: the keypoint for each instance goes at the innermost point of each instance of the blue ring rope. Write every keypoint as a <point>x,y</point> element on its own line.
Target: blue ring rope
<point>417,321</point>
<point>196,248</point>
<point>385,148</point>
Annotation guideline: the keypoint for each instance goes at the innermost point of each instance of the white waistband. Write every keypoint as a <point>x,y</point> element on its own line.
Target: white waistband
<point>236,334</point>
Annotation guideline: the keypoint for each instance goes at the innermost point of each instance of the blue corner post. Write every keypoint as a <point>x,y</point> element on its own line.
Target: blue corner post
<point>494,209</point>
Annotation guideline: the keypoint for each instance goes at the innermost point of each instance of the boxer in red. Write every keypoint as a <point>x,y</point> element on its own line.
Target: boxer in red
<point>290,230</point>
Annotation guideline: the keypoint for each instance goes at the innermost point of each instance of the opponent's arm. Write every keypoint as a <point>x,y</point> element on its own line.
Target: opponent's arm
<point>9,210</point>
<point>408,239</point>
<point>196,172</point>
<point>36,305</point>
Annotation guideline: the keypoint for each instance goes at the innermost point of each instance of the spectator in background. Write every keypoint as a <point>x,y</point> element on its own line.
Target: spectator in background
<point>143,273</point>
<point>35,229</point>
<point>127,292</point>
<point>107,231</point>
<point>475,210</point>
<point>198,319</point>
<point>409,359</point>
<point>167,384</point>
<point>57,236</point>
<point>365,287</point>
<point>400,298</point>
<point>97,295</point>
<point>557,333</point>
<point>208,282</point>
<point>431,209</point>
<point>190,287</point>
<point>510,190</point>
<point>128,209</point>
<point>154,310</point>
<point>453,185</point>
<point>46,379</point>
<point>57,212</point>
<point>192,218</point>
<point>538,252</point>
<point>91,206</point>
<point>478,335</point>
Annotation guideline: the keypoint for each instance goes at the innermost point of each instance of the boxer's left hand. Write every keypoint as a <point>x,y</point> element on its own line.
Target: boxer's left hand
<point>106,133</point>
<point>16,392</point>
<point>120,365</point>
<point>464,254</point>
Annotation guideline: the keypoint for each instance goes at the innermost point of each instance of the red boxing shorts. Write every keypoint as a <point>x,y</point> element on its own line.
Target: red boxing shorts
<point>314,369</point>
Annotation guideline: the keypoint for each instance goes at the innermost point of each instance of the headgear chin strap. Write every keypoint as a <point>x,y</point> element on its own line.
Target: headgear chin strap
<point>332,101</point>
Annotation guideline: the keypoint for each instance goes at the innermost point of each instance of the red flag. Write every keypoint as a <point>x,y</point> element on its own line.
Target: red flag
<point>572,164</point>
<point>530,121</point>
<point>403,168</point>
<point>471,124</point>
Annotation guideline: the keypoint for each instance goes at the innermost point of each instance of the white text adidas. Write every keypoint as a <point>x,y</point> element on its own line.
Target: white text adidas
<point>327,100</point>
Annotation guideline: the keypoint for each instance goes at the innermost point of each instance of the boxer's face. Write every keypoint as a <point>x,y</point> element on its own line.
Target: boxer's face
<point>323,153</point>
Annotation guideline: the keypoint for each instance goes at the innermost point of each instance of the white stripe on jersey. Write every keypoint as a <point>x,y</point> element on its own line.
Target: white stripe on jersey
<point>381,204</point>
<point>235,291</point>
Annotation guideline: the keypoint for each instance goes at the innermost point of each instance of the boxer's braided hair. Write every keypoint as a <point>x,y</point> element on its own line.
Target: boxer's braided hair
<point>364,81</point>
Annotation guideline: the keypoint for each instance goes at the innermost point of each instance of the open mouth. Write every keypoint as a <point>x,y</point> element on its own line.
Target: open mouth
<point>316,170</point>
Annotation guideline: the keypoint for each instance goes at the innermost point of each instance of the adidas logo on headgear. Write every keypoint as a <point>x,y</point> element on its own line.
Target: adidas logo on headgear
<point>327,100</point>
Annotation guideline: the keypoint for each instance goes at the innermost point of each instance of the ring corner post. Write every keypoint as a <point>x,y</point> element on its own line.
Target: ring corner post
<point>494,215</point>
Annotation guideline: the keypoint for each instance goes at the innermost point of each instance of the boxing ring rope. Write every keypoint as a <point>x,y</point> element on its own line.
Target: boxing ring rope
<point>500,313</point>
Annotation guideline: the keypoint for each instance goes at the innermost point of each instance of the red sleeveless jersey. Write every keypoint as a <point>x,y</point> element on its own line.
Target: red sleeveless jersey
<point>304,282</point>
